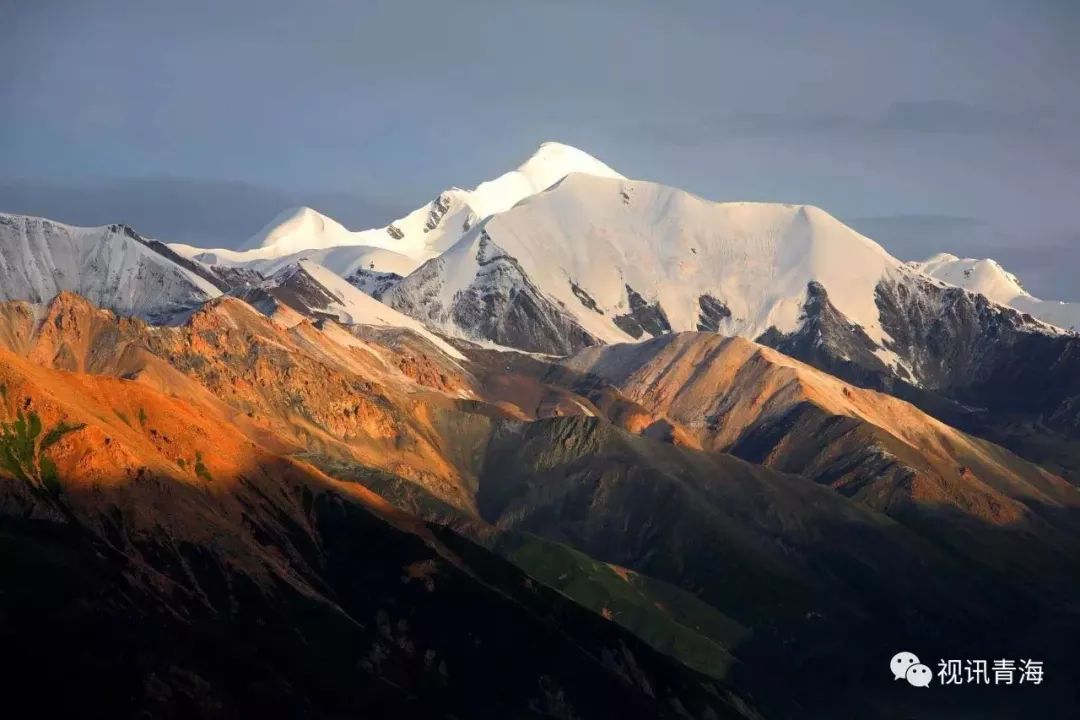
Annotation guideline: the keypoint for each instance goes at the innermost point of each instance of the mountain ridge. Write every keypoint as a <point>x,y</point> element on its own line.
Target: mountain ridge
<point>112,265</point>
<point>987,277</point>
<point>426,231</point>
<point>736,268</point>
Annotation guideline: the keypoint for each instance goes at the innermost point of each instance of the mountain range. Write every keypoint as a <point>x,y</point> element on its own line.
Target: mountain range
<point>565,445</point>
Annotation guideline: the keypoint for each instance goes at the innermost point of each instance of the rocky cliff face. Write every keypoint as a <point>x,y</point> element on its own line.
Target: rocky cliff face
<point>500,304</point>
<point>988,369</point>
<point>985,355</point>
<point>373,282</point>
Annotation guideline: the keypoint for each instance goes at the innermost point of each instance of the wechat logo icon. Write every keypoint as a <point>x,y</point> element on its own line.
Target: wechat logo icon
<point>906,666</point>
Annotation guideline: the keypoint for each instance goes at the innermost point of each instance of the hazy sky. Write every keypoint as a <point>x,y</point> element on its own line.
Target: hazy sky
<point>951,125</point>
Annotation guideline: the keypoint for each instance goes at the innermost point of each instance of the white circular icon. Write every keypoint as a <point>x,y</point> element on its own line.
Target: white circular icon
<point>900,663</point>
<point>919,675</point>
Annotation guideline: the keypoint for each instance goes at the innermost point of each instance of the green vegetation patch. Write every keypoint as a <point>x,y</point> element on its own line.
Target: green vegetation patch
<point>22,452</point>
<point>49,475</point>
<point>53,436</point>
<point>17,448</point>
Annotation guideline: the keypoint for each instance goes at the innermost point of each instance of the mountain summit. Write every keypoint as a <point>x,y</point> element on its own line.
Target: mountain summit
<point>423,233</point>
<point>987,277</point>
<point>294,229</point>
<point>548,165</point>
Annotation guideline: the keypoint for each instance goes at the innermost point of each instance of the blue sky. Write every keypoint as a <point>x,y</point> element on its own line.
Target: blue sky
<point>952,126</point>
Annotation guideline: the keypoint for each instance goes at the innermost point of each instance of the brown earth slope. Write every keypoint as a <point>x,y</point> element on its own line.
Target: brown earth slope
<point>731,395</point>
<point>168,566</point>
<point>323,390</point>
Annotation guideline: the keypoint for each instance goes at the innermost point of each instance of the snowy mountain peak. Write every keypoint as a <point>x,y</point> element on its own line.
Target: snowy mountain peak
<point>548,165</point>
<point>292,229</point>
<point>423,233</point>
<point>556,160</point>
<point>985,276</point>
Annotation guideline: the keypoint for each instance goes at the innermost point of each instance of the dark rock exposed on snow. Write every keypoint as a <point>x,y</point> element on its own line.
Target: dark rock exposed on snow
<point>713,311</point>
<point>644,317</point>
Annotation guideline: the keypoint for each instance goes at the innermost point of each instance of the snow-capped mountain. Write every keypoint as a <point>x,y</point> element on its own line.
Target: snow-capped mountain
<point>112,266</point>
<point>987,277</point>
<point>622,260</point>
<point>345,260</point>
<point>420,235</point>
